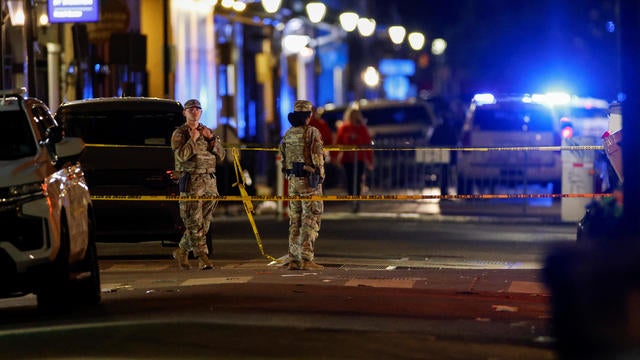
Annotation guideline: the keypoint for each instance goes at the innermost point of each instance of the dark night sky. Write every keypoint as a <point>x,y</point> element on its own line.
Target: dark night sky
<point>514,45</point>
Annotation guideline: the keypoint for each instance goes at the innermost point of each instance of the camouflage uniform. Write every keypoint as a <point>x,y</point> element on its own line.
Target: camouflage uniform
<point>198,158</point>
<point>304,216</point>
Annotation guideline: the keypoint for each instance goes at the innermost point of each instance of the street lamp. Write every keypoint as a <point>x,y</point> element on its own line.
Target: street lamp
<point>16,12</point>
<point>366,26</point>
<point>21,14</point>
<point>271,6</point>
<point>295,36</point>
<point>348,21</point>
<point>239,6</point>
<point>416,40</point>
<point>397,33</point>
<point>438,46</point>
<point>371,77</point>
<point>316,11</point>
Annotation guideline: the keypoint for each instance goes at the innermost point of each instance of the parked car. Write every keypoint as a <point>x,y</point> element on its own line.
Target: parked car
<point>47,245</point>
<point>497,121</point>
<point>128,153</point>
<point>403,121</point>
<point>394,125</point>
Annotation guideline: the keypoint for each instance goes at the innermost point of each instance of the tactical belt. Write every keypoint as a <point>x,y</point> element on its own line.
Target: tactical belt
<point>297,171</point>
<point>291,172</point>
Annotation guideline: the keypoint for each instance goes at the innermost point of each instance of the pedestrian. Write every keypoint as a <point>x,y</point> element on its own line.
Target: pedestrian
<point>196,151</point>
<point>303,163</point>
<point>331,168</point>
<point>354,132</point>
<point>325,130</point>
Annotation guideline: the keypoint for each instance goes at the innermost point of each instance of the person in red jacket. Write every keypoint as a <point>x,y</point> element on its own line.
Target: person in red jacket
<point>353,131</point>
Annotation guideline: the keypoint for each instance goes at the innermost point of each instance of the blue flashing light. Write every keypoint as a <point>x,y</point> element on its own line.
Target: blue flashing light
<point>483,99</point>
<point>610,26</point>
<point>558,98</point>
<point>396,87</point>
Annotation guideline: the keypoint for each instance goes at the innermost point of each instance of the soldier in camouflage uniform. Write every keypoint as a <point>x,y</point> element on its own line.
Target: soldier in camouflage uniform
<point>196,151</point>
<point>305,215</point>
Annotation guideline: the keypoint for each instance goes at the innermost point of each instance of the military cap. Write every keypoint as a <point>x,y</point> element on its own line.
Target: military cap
<point>192,103</point>
<point>302,105</point>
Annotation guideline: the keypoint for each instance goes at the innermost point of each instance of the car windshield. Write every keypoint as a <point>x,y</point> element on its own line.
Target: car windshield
<point>396,115</point>
<point>392,115</point>
<point>580,113</point>
<point>122,127</point>
<point>16,138</point>
<point>511,117</point>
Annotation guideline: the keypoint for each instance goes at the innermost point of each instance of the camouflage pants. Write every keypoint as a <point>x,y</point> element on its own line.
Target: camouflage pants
<point>198,215</point>
<point>304,220</point>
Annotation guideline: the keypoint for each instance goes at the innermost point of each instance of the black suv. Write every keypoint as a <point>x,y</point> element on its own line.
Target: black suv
<point>128,153</point>
<point>47,245</point>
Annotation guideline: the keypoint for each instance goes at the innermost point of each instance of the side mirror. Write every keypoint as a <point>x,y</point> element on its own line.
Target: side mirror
<point>54,134</point>
<point>69,149</point>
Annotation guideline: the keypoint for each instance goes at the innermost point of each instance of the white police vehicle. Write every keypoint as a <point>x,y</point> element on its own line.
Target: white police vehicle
<point>47,243</point>
<point>495,122</point>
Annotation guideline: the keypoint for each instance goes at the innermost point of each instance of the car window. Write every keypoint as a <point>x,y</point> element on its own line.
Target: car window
<point>579,113</point>
<point>16,138</point>
<point>521,117</point>
<point>123,127</point>
<point>397,115</point>
<point>392,115</point>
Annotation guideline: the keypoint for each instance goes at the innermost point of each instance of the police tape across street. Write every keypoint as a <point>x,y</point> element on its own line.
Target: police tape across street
<point>244,197</point>
<point>337,197</point>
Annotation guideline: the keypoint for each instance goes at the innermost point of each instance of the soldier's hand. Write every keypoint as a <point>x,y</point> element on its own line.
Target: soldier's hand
<point>207,133</point>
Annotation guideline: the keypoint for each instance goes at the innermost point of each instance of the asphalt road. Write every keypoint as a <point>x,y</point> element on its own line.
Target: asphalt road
<point>394,288</point>
<point>253,311</point>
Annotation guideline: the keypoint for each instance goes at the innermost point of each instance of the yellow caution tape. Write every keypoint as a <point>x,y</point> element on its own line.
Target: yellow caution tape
<point>246,199</point>
<point>372,148</point>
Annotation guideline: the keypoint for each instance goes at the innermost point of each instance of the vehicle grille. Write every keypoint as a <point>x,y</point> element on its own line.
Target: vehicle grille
<point>25,233</point>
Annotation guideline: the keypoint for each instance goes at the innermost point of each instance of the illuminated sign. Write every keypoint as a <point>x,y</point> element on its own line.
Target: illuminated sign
<point>397,67</point>
<point>70,11</point>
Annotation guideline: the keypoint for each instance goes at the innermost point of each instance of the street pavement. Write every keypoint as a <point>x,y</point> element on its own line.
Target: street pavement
<point>495,304</point>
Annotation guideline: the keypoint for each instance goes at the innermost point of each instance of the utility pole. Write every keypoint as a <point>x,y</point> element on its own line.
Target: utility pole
<point>3,22</point>
<point>29,36</point>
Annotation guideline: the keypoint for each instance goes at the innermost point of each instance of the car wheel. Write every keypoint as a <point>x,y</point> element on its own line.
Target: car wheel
<point>85,288</point>
<point>53,287</point>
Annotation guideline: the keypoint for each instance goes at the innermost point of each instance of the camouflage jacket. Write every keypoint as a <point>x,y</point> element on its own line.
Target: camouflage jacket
<point>198,155</point>
<point>292,147</point>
